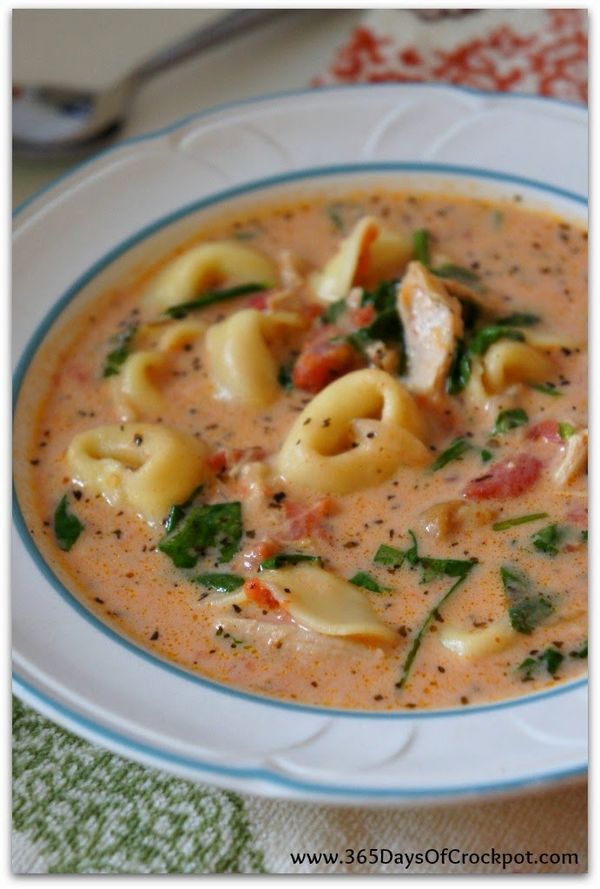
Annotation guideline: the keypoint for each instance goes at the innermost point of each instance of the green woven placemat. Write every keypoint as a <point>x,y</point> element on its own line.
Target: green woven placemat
<point>79,809</point>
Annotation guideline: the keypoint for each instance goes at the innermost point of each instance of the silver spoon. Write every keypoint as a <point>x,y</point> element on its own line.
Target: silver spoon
<point>55,121</point>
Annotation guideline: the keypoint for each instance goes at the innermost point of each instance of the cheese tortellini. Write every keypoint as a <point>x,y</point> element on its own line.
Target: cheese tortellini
<point>504,364</point>
<point>240,361</point>
<point>136,389</point>
<point>478,643</point>
<point>508,362</point>
<point>320,601</point>
<point>147,467</point>
<point>354,434</point>
<point>369,254</point>
<point>220,264</point>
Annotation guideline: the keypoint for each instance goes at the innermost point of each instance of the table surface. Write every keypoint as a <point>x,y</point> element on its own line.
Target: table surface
<point>92,48</point>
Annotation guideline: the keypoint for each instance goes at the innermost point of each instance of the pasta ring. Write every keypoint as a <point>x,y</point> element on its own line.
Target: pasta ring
<point>354,434</point>
<point>218,264</point>
<point>240,361</point>
<point>145,466</point>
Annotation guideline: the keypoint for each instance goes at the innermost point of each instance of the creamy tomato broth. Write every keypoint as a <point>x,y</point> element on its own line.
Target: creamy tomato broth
<point>390,415</point>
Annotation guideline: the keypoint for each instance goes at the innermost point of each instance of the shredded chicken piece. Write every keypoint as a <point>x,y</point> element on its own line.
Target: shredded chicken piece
<point>254,476</point>
<point>432,320</point>
<point>290,296</point>
<point>455,517</point>
<point>574,460</point>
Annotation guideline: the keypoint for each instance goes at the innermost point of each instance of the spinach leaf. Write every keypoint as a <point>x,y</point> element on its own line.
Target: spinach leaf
<point>365,580</point>
<point>386,325</point>
<point>383,297</point>
<point>222,583</point>
<point>581,652</point>
<point>421,246</point>
<point>433,569</point>
<point>177,512</point>
<point>505,524</point>
<point>67,526</point>
<point>481,341</point>
<point>551,658</point>
<point>458,273</point>
<point>285,377</point>
<point>547,539</point>
<point>118,356</point>
<point>213,296</point>
<point>389,556</point>
<point>547,389</point>
<point>418,639</point>
<point>217,525</point>
<point>471,312</point>
<point>519,319</point>
<point>282,559</point>
<point>527,608</point>
<point>455,451</point>
<point>565,430</point>
<point>527,614</point>
<point>516,583</point>
<point>412,553</point>
<point>460,368</point>
<point>333,311</point>
<point>509,419</point>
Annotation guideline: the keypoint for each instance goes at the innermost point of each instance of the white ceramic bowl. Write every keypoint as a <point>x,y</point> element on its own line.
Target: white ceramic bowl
<point>76,237</point>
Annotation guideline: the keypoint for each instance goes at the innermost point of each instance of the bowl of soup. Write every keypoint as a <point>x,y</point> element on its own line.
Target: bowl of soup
<point>305,460</point>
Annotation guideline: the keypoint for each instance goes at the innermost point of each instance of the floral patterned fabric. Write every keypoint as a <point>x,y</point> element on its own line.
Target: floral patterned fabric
<point>531,51</point>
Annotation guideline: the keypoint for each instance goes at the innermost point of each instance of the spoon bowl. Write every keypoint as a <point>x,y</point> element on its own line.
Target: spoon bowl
<point>61,121</point>
<point>57,121</point>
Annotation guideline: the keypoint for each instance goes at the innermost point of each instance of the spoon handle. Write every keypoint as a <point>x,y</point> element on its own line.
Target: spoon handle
<point>225,28</point>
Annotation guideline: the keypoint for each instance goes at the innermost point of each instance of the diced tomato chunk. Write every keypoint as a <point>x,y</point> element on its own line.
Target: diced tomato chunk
<point>305,521</point>
<point>322,363</point>
<point>259,593</point>
<point>363,315</point>
<point>218,462</point>
<point>509,478</point>
<point>237,455</point>
<point>578,514</point>
<point>312,310</point>
<point>256,554</point>
<point>257,301</point>
<point>546,429</point>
